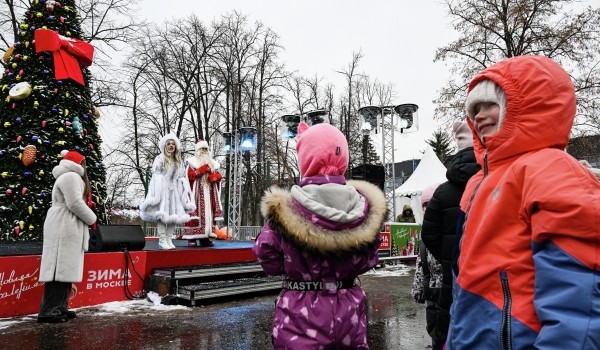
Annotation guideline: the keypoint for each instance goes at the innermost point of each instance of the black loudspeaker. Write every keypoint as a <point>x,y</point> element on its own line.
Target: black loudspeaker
<point>114,238</point>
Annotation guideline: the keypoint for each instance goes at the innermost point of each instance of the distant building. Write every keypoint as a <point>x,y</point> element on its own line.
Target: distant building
<point>586,147</point>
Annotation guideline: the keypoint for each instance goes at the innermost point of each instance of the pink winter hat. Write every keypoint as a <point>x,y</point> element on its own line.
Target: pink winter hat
<point>428,193</point>
<point>322,150</point>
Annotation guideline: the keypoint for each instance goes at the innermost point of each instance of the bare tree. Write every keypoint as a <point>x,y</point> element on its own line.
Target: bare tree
<point>492,30</point>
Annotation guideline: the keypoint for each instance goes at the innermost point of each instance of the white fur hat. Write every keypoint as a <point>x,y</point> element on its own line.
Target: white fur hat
<point>201,144</point>
<point>462,134</point>
<point>486,91</point>
<point>167,137</point>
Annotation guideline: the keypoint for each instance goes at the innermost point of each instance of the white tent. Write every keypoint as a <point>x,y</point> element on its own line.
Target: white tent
<point>429,171</point>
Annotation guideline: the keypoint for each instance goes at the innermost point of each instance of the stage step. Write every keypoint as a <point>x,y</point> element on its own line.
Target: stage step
<point>195,283</point>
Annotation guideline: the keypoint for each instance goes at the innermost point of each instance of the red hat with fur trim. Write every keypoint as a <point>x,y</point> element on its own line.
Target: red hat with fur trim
<point>73,156</point>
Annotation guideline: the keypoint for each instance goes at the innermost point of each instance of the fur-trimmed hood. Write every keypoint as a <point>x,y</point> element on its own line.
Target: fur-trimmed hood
<point>279,208</point>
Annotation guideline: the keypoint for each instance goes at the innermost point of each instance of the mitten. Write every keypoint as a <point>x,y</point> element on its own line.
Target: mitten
<point>203,169</point>
<point>90,200</point>
<point>214,177</point>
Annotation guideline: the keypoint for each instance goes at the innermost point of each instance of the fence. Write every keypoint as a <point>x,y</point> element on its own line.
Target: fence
<point>245,233</point>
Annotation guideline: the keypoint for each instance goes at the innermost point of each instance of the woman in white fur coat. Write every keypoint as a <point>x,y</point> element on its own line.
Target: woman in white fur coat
<point>66,235</point>
<point>169,200</point>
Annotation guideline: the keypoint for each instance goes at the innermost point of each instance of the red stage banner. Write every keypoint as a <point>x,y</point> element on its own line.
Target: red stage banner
<point>103,281</point>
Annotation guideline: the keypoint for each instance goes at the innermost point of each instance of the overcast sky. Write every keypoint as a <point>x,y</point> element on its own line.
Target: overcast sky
<point>398,39</point>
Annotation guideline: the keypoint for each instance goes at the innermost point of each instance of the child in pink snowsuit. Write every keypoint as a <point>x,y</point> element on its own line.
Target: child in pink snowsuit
<point>321,235</point>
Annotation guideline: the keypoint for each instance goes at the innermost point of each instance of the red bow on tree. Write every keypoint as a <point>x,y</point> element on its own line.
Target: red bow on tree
<point>68,54</point>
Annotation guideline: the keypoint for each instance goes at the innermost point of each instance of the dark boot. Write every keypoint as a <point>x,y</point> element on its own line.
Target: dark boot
<point>205,242</point>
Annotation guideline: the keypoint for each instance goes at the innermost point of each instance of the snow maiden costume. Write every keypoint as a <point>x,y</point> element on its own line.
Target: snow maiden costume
<point>169,198</point>
<point>321,235</point>
<point>205,181</point>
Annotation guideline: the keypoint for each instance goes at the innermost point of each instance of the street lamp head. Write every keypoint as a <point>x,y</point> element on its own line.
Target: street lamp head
<point>291,121</point>
<point>407,114</point>
<point>248,140</point>
<point>227,138</point>
<point>317,116</point>
<point>369,116</point>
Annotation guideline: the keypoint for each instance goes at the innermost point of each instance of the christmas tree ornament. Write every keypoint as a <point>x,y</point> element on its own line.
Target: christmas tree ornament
<point>23,191</point>
<point>77,127</point>
<point>44,123</point>
<point>34,138</point>
<point>27,44</point>
<point>61,130</point>
<point>18,77</point>
<point>25,58</point>
<point>36,104</point>
<point>1,154</point>
<point>17,230</point>
<point>21,224</point>
<point>6,124</point>
<point>27,174</point>
<point>39,15</point>
<point>17,120</point>
<point>31,227</point>
<point>4,174</point>
<point>68,54</point>
<point>8,192</point>
<point>97,112</point>
<point>41,173</point>
<point>29,153</point>
<point>7,54</point>
<point>30,209</point>
<point>14,65</point>
<point>66,112</point>
<point>19,138</point>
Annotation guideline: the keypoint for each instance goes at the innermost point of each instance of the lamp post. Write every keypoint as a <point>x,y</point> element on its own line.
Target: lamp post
<point>291,122</point>
<point>388,120</point>
<point>238,145</point>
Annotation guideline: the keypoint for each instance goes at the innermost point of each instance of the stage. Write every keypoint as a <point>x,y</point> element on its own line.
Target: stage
<point>105,276</point>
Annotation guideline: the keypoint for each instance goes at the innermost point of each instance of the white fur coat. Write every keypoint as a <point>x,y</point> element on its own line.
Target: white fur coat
<point>66,232</point>
<point>169,199</point>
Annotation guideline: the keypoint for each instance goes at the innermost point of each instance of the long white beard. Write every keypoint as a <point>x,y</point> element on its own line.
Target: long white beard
<point>205,159</point>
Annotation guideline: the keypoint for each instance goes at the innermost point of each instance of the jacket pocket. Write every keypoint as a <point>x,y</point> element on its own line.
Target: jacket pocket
<point>505,328</point>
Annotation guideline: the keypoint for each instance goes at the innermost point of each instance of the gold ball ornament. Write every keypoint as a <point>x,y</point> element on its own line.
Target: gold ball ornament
<point>41,173</point>
<point>20,91</point>
<point>29,153</point>
<point>39,15</point>
<point>30,209</point>
<point>14,65</point>
<point>21,224</point>
<point>6,124</point>
<point>97,112</point>
<point>31,227</point>
<point>4,174</point>
<point>61,130</point>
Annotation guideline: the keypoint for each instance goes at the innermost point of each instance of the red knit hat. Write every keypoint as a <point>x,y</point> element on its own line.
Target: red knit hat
<point>73,156</point>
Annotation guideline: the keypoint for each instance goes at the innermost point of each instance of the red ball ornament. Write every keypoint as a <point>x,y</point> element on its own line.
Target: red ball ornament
<point>9,192</point>
<point>24,191</point>
<point>44,123</point>
<point>19,138</point>
<point>21,72</point>
<point>17,230</point>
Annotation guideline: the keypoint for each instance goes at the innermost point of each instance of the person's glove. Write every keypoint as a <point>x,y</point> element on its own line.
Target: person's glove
<point>214,177</point>
<point>90,200</point>
<point>203,169</point>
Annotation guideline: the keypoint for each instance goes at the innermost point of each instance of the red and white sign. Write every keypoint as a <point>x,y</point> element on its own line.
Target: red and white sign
<point>385,241</point>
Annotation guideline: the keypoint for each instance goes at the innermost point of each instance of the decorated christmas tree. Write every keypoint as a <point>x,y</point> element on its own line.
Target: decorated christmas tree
<point>45,108</point>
